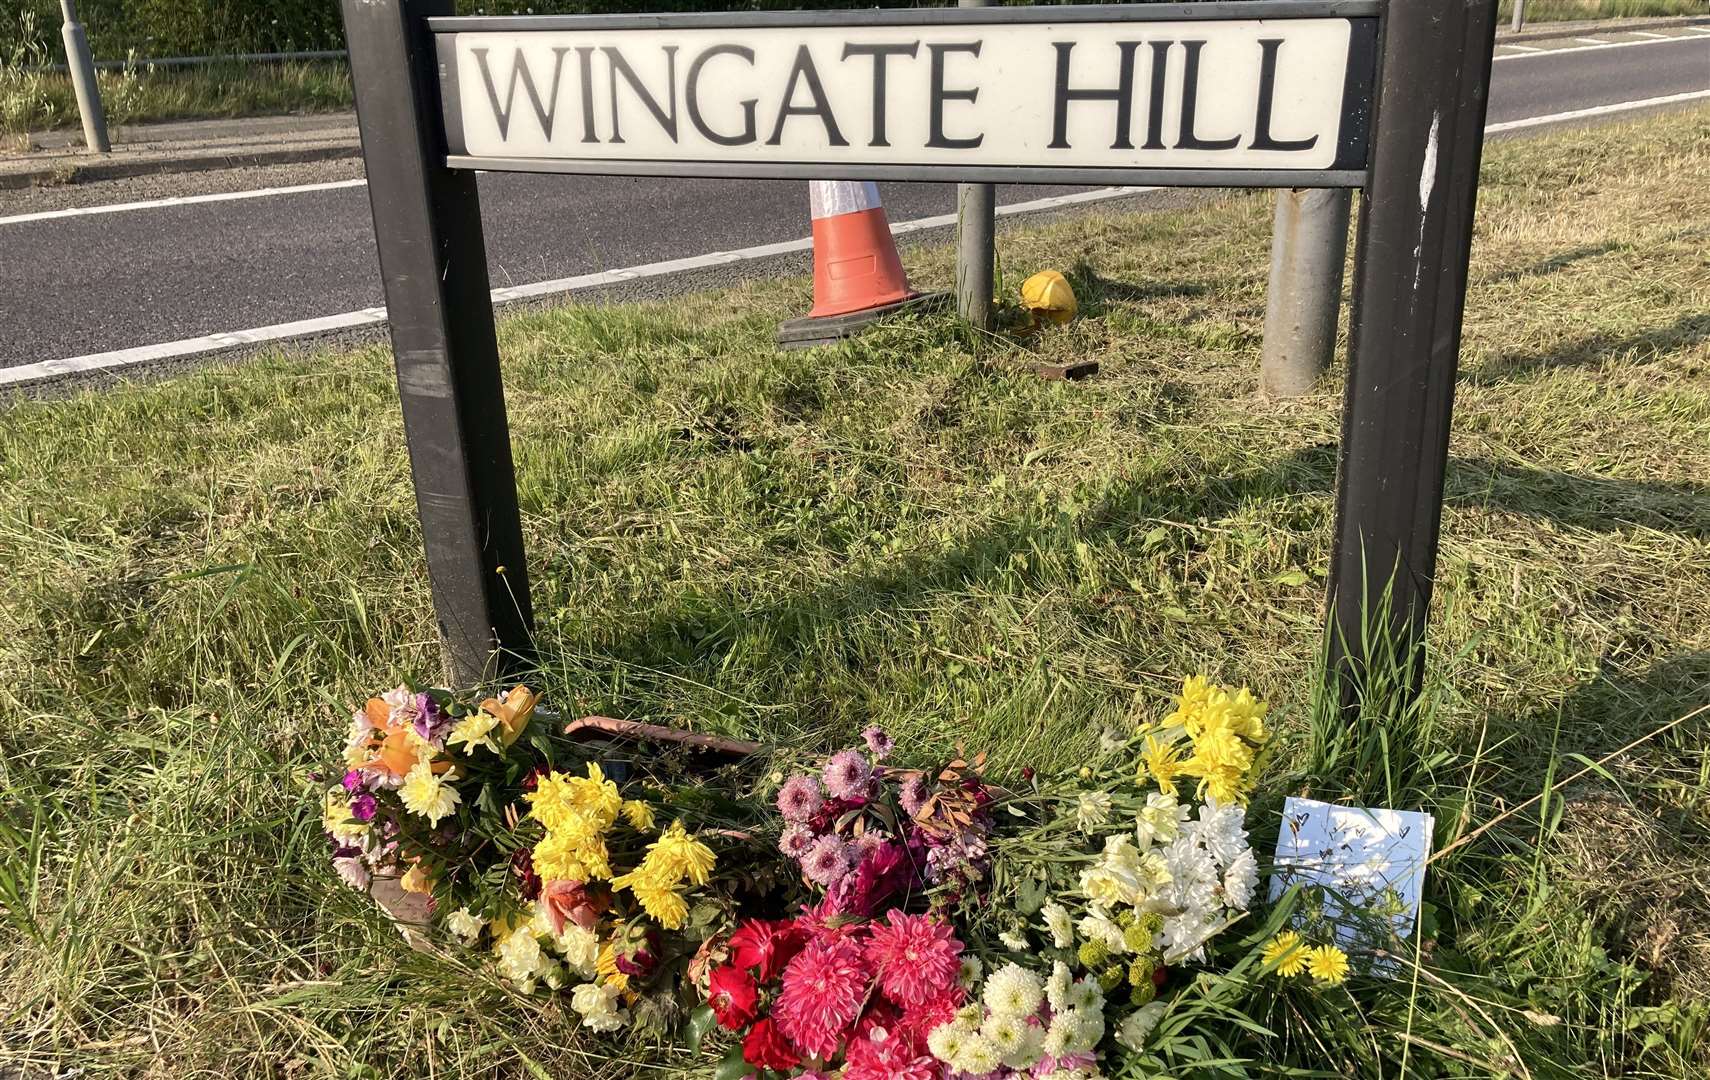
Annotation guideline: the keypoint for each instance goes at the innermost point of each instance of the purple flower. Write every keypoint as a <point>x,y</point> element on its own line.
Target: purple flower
<point>363,806</point>
<point>430,722</point>
<point>847,773</point>
<point>796,841</point>
<point>799,798</point>
<point>884,871</point>
<point>913,795</point>
<point>352,780</point>
<point>828,860</point>
<point>878,742</point>
<point>871,839</point>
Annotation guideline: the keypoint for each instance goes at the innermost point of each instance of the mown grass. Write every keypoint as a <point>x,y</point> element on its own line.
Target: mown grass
<point>1560,10</point>
<point>33,100</point>
<point>203,574</point>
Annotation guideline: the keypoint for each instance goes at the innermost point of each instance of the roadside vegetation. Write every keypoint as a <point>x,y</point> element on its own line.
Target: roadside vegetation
<point>1540,11</point>
<point>205,574</point>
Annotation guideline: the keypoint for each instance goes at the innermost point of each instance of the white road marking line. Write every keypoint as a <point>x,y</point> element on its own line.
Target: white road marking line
<point>171,350</point>
<point>370,316</point>
<point>1596,110</point>
<point>1521,52</point>
<point>1594,48</point>
<point>179,200</point>
<point>1592,41</point>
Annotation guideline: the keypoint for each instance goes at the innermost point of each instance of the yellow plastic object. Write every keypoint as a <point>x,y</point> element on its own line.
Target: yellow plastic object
<point>1048,297</point>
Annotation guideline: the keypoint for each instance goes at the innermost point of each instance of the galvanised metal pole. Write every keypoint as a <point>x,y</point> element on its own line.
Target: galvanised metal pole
<point>1519,16</point>
<point>1309,244</point>
<point>1404,339</point>
<point>976,252</point>
<point>82,68</point>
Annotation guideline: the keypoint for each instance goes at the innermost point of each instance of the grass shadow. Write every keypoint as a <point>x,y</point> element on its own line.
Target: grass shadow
<point>1643,347</point>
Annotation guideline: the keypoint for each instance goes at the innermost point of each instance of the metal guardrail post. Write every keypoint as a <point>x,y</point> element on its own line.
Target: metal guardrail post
<point>82,68</point>
<point>1309,245</point>
<point>976,252</point>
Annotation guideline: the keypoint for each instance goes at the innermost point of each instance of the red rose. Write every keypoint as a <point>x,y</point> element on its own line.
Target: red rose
<point>765,947</point>
<point>733,996</point>
<point>766,1048</point>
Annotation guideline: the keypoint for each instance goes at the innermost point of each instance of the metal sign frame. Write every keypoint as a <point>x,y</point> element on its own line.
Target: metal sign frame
<point>1417,168</point>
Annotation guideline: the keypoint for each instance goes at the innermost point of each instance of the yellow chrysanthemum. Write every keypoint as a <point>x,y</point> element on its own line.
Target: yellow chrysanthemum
<point>663,903</point>
<point>475,730</point>
<point>1286,952</point>
<point>607,969</point>
<point>428,795</point>
<point>679,855</point>
<point>638,814</point>
<point>1163,760</point>
<point>1327,964</point>
<point>592,800</point>
<point>568,855</point>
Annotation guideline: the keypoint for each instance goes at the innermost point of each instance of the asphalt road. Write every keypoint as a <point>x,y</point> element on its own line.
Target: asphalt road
<point>79,285</point>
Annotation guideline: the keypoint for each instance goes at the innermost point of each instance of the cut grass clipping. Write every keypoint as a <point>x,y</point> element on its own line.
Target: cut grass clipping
<point>204,575</point>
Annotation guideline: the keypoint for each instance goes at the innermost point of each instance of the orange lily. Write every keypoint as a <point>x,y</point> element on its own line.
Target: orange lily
<point>513,712</point>
<point>394,753</point>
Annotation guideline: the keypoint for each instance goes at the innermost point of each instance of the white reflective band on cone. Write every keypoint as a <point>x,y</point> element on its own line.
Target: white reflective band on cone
<point>833,197</point>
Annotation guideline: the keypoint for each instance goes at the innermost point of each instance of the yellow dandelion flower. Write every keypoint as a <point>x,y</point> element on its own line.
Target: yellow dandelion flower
<point>1327,964</point>
<point>1286,953</point>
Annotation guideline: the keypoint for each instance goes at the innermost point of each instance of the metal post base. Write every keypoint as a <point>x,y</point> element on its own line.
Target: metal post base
<point>806,332</point>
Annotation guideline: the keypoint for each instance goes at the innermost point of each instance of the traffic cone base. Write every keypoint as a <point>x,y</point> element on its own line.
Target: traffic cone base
<point>811,330</point>
<point>855,264</point>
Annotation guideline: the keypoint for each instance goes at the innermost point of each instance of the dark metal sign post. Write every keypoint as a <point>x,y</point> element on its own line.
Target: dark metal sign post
<point>1384,95</point>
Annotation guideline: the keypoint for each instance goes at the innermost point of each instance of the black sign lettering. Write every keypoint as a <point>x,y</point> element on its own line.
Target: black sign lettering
<point>1123,95</point>
<point>804,70</point>
<point>620,66</point>
<point>543,110</point>
<point>1262,138</point>
<point>1187,140</point>
<point>691,97</point>
<point>936,136</point>
<point>1155,105</point>
<point>585,61</point>
<point>881,55</point>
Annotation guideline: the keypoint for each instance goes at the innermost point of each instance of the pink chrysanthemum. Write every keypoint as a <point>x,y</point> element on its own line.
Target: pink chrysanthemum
<point>796,841</point>
<point>823,989</point>
<point>916,957</point>
<point>882,1057</point>
<point>799,799</point>
<point>913,796</point>
<point>847,773</point>
<point>828,860</point>
<point>878,743</point>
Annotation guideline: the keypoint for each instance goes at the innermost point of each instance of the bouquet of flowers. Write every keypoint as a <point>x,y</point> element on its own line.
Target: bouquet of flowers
<point>852,918</point>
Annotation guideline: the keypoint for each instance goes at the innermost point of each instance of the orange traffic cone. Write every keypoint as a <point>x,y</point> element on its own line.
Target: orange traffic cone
<point>857,276</point>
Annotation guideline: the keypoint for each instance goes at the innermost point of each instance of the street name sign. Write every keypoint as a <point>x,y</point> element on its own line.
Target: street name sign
<point>1384,95</point>
<point>1035,93</point>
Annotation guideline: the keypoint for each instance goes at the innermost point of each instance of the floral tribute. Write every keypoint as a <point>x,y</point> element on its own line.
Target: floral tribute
<point>852,917</point>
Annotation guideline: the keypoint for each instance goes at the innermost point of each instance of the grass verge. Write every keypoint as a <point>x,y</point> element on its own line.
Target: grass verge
<point>1539,11</point>
<point>910,529</point>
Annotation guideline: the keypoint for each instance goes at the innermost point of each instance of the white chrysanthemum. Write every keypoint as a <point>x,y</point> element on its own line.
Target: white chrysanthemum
<point>580,949</point>
<point>1089,1029</point>
<point>1160,820</point>
<point>1057,986</point>
<point>1012,990</point>
<point>1220,829</point>
<point>978,1056</point>
<point>553,976</point>
<point>598,1006</point>
<point>1029,1051</point>
<point>1095,927</point>
<point>1104,888</point>
<point>353,872</point>
<point>520,959</point>
<point>969,1016</point>
<point>1092,810</point>
<point>946,1041</point>
<point>1060,1035</point>
<point>1184,936</point>
<point>465,924</point>
<point>1240,880</point>
<point>1060,924</point>
<point>337,821</point>
<point>1005,1032</point>
<point>1086,996</point>
<point>1137,1025</point>
<point>1013,941</point>
<point>968,975</point>
<point>428,795</point>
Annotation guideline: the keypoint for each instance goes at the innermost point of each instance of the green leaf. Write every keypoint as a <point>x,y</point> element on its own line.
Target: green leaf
<point>1293,577</point>
<point>699,1023</point>
<point>733,1067</point>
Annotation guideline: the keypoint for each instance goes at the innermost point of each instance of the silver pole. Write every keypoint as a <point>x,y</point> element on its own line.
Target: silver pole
<point>1519,15</point>
<point>976,207</point>
<point>1308,247</point>
<point>82,67</point>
